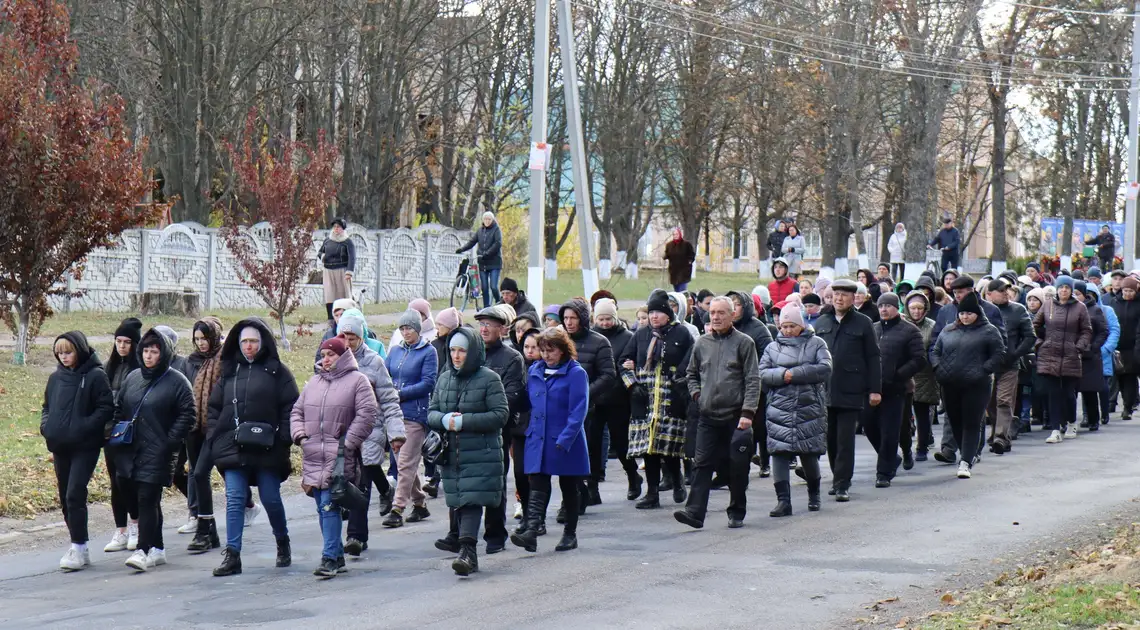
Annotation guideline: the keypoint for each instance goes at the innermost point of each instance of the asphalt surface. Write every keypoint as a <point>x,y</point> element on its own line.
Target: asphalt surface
<point>634,569</point>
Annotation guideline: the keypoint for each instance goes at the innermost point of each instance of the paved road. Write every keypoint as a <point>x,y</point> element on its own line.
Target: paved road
<point>634,569</point>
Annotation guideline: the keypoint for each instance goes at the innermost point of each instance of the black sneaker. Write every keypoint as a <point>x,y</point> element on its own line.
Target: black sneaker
<point>685,517</point>
<point>735,523</point>
<point>882,482</point>
<point>395,518</point>
<point>353,547</point>
<point>385,501</point>
<point>495,546</point>
<point>946,457</point>
<point>448,544</point>
<point>327,568</point>
<point>765,471</point>
<point>419,513</point>
<point>908,460</point>
<point>842,496</point>
<point>920,456</point>
<point>340,566</point>
<point>431,488</point>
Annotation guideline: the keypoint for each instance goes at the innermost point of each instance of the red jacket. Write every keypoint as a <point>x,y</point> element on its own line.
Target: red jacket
<point>779,290</point>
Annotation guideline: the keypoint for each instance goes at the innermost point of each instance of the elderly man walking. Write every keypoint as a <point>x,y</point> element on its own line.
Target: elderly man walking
<point>724,380</point>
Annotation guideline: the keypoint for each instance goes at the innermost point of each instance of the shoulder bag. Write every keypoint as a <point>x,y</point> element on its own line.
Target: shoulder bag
<point>123,432</point>
<point>251,436</point>
<point>343,492</point>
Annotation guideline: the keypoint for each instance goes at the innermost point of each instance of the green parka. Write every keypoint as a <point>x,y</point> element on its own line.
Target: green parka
<point>472,467</point>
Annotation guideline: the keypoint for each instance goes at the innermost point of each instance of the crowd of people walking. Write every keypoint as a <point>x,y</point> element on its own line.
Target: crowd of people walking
<point>689,395</point>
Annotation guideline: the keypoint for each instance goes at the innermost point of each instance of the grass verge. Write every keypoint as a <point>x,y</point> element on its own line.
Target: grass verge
<point>1096,586</point>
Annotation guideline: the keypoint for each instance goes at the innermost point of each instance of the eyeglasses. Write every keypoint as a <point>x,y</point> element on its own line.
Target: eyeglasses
<point>483,323</point>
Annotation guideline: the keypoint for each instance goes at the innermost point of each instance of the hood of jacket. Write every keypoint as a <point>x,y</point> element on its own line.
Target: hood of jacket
<point>166,353</point>
<point>608,333</point>
<point>942,280</point>
<point>746,304</point>
<point>528,316</point>
<point>344,364</point>
<point>582,310</point>
<point>682,305</point>
<point>231,350</point>
<point>781,261</point>
<point>906,300</point>
<point>211,328</point>
<point>86,358</point>
<point>476,352</point>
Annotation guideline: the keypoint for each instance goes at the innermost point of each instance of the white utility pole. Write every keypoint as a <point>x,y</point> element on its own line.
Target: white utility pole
<point>534,277</point>
<point>1129,256</point>
<point>582,191</point>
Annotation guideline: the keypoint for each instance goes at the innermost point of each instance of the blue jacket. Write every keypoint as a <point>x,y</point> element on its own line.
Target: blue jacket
<point>414,371</point>
<point>1110,344</point>
<point>556,436</point>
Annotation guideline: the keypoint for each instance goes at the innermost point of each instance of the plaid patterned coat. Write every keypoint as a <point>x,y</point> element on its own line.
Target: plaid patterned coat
<point>660,396</point>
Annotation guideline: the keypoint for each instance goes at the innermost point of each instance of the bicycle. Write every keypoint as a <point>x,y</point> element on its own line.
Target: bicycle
<point>466,287</point>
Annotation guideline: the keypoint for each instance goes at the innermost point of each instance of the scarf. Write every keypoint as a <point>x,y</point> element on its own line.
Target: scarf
<point>656,350</point>
<point>208,373</point>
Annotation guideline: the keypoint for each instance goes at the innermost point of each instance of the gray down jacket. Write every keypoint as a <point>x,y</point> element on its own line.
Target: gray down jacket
<point>389,423</point>
<point>796,412</point>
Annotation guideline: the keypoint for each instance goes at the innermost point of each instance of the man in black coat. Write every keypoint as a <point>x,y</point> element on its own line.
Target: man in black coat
<point>508,364</point>
<point>596,356</point>
<point>902,356</point>
<point>1019,343</point>
<point>514,297</point>
<point>856,380</point>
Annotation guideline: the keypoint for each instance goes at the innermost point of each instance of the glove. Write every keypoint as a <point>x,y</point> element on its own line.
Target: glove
<point>638,394</point>
<point>459,251</point>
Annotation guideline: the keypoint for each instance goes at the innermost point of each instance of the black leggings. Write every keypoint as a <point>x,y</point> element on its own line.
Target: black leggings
<point>124,498</point>
<point>618,423</point>
<point>1062,402</point>
<point>965,411</point>
<point>1128,386</point>
<point>570,497</point>
<point>358,518</point>
<point>150,515</point>
<point>921,423</point>
<point>653,466</point>
<point>73,470</point>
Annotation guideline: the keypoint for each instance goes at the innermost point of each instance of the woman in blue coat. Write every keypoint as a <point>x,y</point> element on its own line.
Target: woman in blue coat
<point>556,438</point>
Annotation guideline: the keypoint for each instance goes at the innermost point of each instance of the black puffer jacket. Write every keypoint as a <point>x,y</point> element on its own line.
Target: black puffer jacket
<point>508,364</point>
<point>262,391</point>
<point>490,241</point>
<point>967,355</point>
<point>675,361</point>
<point>901,353</point>
<point>857,370</point>
<point>595,354</point>
<point>1092,366</point>
<point>165,416</point>
<point>336,254</point>
<point>619,337</point>
<point>1019,333</point>
<point>749,325</point>
<point>78,404</point>
<point>1128,312</point>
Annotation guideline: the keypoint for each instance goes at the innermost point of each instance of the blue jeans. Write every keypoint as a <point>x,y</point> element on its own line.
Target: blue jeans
<point>237,490</point>
<point>331,524</point>
<point>489,279</point>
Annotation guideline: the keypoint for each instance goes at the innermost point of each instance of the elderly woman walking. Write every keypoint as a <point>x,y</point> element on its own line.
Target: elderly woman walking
<point>1064,333</point>
<point>470,408</point>
<point>490,257</point>
<point>794,372</point>
<point>330,422</point>
<point>338,256</point>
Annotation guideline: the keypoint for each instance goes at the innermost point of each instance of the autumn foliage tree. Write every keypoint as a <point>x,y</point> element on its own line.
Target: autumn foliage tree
<point>288,185</point>
<point>71,179</point>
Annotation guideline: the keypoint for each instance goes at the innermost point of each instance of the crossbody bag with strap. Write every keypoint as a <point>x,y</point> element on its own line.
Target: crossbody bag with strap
<point>123,433</point>
<point>251,436</point>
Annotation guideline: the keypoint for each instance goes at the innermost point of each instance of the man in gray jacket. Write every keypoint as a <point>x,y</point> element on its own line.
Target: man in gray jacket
<point>724,380</point>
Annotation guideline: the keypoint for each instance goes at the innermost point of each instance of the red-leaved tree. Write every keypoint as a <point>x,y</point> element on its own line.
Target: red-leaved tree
<point>71,179</point>
<point>288,185</point>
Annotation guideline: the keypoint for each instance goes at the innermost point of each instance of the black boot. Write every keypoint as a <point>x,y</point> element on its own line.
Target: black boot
<point>206,538</point>
<point>595,497</point>
<point>689,471</point>
<point>634,485</point>
<point>468,560</point>
<point>449,543</point>
<point>284,552</point>
<point>679,493</point>
<point>650,501</point>
<point>784,498</point>
<point>535,513</point>
<point>560,517</point>
<point>666,482</point>
<point>569,541</point>
<point>231,563</point>
<point>813,495</point>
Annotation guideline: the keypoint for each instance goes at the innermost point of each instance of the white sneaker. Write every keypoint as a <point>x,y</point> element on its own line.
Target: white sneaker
<point>251,514</point>
<point>518,510</point>
<point>132,536</point>
<point>85,553</point>
<point>118,542</point>
<point>1071,432</point>
<point>191,526</point>
<point>72,560</point>
<point>156,558</point>
<point>1054,438</point>
<point>137,561</point>
<point>963,470</point>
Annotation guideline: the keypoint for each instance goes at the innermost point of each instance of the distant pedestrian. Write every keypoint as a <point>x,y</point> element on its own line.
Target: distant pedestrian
<point>338,256</point>
<point>896,247</point>
<point>949,242</point>
<point>489,237</point>
<point>680,254</point>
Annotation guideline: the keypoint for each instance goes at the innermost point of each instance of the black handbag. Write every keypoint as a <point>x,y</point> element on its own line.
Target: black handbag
<point>342,492</point>
<point>251,436</point>
<point>123,431</point>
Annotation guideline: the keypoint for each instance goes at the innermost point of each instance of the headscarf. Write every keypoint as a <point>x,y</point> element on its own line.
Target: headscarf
<point>210,369</point>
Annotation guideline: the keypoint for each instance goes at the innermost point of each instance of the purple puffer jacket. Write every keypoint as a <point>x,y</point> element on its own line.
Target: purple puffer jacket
<point>333,403</point>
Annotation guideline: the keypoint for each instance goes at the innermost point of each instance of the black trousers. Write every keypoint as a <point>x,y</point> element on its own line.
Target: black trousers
<point>358,519</point>
<point>184,470</point>
<point>522,480</point>
<point>595,435</point>
<point>965,411</point>
<point>841,445</point>
<point>617,420</point>
<point>150,515</point>
<point>124,497</point>
<point>897,270</point>
<point>73,471</point>
<point>495,519</point>
<point>1062,402</point>
<point>1129,390</point>
<point>881,425</point>
<point>714,448</point>
<point>1106,398</point>
<point>570,497</point>
<point>653,466</point>
<point>949,261</point>
<point>922,415</point>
